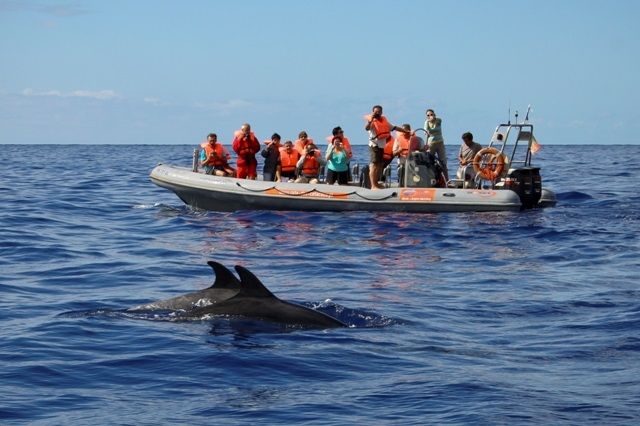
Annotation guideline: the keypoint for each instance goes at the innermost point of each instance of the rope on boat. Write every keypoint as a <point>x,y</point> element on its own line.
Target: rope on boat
<point>393,194</point>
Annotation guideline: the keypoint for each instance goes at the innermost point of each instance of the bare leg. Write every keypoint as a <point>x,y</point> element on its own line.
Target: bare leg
<point>374,175</point>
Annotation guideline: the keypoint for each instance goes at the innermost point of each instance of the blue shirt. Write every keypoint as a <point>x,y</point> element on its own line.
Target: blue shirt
<point>338,162</point>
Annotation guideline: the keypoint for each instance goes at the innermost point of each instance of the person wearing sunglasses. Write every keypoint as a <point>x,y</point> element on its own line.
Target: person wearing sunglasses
<point>435,141</point>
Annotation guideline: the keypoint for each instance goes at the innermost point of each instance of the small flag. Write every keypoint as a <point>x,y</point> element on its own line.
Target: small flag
<point>535,146</point>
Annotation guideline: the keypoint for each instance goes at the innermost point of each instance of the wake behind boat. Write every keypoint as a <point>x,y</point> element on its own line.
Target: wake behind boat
<point>506,181</point>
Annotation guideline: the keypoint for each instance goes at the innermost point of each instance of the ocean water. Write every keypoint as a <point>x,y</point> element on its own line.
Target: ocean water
<point>462,318</point>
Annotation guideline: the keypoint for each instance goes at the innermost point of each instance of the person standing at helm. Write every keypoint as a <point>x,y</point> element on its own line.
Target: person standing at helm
<point>246,145</point>
<point>379,130</point>
<point>435,141</point>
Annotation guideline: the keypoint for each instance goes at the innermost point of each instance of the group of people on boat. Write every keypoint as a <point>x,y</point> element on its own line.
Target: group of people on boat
<point>301,161</point>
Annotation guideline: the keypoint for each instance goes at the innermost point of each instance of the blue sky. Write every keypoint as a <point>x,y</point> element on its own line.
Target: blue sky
<point>169,72</point>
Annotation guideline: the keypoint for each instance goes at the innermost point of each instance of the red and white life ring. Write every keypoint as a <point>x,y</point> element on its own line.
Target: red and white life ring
<point>489,163</point>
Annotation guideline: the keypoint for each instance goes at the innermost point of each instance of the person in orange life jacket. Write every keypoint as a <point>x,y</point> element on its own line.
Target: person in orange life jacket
<point>246,145</point>
<point>288,161</point>
<point>214,158</point>
<point>379,130</point>
<point>406,142</point>
<point>387,153</point>
<point>309,165</point>
<point>337,162</point>
<point>271,154</point>
<point>302,141</point>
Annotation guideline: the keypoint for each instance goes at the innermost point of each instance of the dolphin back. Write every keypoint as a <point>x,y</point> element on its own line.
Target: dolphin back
<point>255,300</point>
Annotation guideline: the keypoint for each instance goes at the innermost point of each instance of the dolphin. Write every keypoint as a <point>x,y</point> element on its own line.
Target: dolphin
<point>246,297</point>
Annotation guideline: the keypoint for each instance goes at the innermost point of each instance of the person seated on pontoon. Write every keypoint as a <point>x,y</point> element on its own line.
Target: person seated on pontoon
<point>214,157</point>
<point>309,165</point>
<point>466,154</point>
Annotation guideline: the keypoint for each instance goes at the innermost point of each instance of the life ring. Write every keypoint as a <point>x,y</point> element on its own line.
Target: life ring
<point>491,166</point>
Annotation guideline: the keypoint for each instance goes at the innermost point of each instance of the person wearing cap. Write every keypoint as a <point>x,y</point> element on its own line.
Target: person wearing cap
<point>288,161</point>
<point>271,154</point>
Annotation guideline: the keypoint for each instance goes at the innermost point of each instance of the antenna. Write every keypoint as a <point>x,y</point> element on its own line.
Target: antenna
<point>509,116</point>
<point>516,116</point>
<point>526,118</point>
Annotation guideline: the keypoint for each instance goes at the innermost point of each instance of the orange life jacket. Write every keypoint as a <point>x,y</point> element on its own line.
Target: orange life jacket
<point>347,146</point>
<point>288,160</point>
<point>381,127</point>
<point>246,147</point>
<point>387,154</point>
<point>299,145</point>
<point>221,157</point>
<point>406,143</point>
<point>311,166</point>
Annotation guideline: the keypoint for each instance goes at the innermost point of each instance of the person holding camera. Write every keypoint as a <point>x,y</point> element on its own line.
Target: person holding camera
<point>246,145</point>
<point>309,165</point>
<point>379,130</point>
<point>271,154</point>
<point>337,159</point>
<point>214,157</point>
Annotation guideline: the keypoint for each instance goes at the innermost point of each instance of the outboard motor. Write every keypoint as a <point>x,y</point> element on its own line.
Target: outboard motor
<point>355,172</point>
<point>525,182</point>
<point>423,170</point>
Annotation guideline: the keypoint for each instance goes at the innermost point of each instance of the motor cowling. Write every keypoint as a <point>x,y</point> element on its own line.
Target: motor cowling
<point>527,183</point>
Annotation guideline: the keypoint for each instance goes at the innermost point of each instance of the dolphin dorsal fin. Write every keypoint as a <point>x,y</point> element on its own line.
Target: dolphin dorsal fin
<point>250,285</point>
<point>224,277</point>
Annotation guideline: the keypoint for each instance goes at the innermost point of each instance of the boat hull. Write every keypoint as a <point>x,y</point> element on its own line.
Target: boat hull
<point>217,193</point>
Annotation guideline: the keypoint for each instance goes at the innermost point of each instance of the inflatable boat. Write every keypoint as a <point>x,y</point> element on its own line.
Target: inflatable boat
<point>518,187</point>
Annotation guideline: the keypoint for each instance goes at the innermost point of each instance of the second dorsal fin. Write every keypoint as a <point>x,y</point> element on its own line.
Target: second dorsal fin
<point>224,277</point>
<point>250,285</point>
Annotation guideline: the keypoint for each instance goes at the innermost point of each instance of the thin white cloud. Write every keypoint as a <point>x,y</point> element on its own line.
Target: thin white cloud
<point>225,107</point>
<point>97,94</point>
<point>155,101</point>
<point>59,9</point>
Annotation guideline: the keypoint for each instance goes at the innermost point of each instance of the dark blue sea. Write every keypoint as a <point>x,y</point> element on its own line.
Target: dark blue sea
<point>459,318</point>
